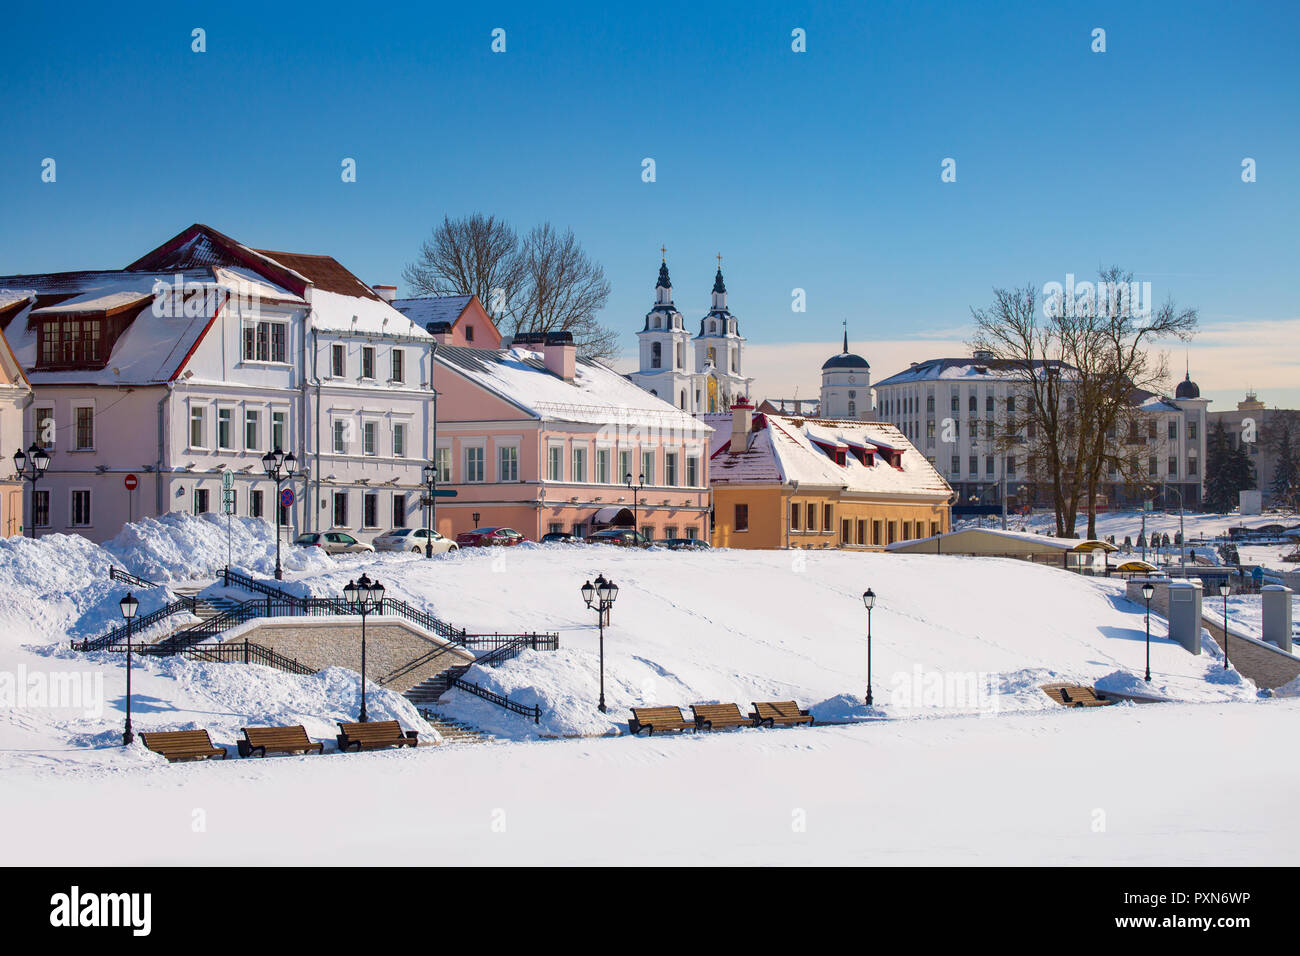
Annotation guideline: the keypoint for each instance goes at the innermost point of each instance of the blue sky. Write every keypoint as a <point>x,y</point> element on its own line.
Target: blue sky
<point>818,170</point>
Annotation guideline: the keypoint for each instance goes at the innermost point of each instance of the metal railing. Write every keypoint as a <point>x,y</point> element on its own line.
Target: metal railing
<point>535,640</point>
<point>242,652</point>
<point>504,702</point>
<point>126,577</point>
<point>119,633</point>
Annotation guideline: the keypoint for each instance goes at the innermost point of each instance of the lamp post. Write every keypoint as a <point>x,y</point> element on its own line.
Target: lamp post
<point>129,606</point>
<point>31,465</point>
<point>364,596</point>
<point>869,599</point>
<point>430,486</point>
<point>600,597</point>
<point>636,491</point>
<point>1225,588</point>
<point>1148,589</point>
<point>279,467</point>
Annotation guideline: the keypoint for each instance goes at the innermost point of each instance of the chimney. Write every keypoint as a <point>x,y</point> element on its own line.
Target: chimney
<point>386,292</point>
<point>742,421</point>
<point>560,355</point>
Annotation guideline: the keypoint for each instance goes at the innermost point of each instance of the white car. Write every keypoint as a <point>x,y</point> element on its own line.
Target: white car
<point>414,539</point>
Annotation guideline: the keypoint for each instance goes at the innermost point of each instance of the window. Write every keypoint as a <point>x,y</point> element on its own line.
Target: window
<point>508,463</point>
<point>862,528</point>
<point>338,361</point>
<point>828,519</point>
<point>893,531</point>
<point>200,501</point>
<point>196,428</point>
<point>80,509</point>
<point>368,361</point>
<point>340,436</point>
<point>252,430</point>
<point>875,533</point>
<point>846,531</point>
<point>1011,466</point>
<point>794,516</point>
<point>579,530</point>
<point>279,433</point>
<point>399,509</point>
<point>474,463</point>
<point>1173,465</point>
<point>1173,430</point>
<point>442,464</point>
<point>692,471</point>
<point>399,440</point>
<point>670,470</point>
<point>853,408</point>
<point>42,515</point>
<point>85,437</point>
<point>555,463</point>
<point>1191,464</point>
<point>1191,431</point>
<point>369,438</point>
<point>340,515</point>
<point>742,517</point>
<point>929,406</point>
<point>691,532</point>
<point>955,406</point>
<point>370,509</point>
<point>266,342</point>
<point>255,509</point>
<point>602,466</point>
<point>45,430</point>
<point>988,404</point>
<point>974,464</point>
<point>399,365</point>
<point>625,466</point>
<point>1153,466</point>
<point>648,466</point>
<point>989,470</point>
<point>579,464</point>
<point>973,406</point>
<point>469,333</point>
<point>670,531</point>
<point>656,355</point>
<point>956,465</point>
<point>225,436</point>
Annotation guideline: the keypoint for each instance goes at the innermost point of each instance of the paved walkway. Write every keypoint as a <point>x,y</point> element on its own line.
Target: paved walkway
<point>1267,666</point>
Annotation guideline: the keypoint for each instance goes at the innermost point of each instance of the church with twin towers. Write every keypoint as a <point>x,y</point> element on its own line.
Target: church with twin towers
<point>705,373</point>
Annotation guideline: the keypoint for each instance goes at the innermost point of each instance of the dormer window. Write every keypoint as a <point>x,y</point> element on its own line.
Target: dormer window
<point>71,342</point>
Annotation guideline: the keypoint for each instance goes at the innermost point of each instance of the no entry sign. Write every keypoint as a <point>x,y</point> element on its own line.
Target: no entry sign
<point>131,482</point>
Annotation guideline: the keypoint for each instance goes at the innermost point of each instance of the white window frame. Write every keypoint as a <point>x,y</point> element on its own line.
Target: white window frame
<point>510,474</point>
<point>76,428</point>
<point>469,472</point>
<point>72,508</point>
<point>202,410</point>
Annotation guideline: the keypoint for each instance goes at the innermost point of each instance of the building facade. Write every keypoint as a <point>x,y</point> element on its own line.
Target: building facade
<point>698,375</point>
<point>1252,425</point>
<point>967,415</point>
<point>15,393</point>
<point>199,358</point>
<point>785,482</point>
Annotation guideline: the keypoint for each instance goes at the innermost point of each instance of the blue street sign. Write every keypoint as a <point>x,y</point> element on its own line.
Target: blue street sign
<point>450,493</point>
<point>286,497</point>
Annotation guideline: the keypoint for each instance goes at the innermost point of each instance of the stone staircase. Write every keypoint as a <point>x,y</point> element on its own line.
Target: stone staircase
<point>427,692</point>
<point>454,731</point>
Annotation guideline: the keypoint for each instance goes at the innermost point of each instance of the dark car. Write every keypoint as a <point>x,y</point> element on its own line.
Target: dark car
<point>683,544</point>
<point>489,538</point>
<point>559,537</point>
<point>622,537</point>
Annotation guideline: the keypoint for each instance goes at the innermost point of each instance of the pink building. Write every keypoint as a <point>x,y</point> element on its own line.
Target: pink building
<point>539,440</point>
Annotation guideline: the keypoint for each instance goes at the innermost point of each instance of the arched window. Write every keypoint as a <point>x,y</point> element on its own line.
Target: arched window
<point>656,355</point>
<point>853,409</point>
<point>682,400</point>
<point>656,325</point>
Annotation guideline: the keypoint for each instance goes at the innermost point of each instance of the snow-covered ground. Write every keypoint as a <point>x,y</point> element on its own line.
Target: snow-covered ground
<point>959,761</point>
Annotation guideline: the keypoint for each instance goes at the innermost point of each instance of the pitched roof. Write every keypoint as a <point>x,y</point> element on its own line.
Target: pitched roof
<point>325,273</point>
<point>956,369</point>
<point>597,395</point>
<point>423,310</point>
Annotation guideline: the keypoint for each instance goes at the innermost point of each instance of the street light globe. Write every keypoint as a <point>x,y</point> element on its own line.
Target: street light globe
<point>268,463</point>
<point>290,463</point>
<point>129,605</point>
<point>1224,588</point>
<point>588,593</point>
<point>428,474</point>
<point>1148,589</point>
<point>350,592</point>
<point>869,598</point>
<point>377,593</point>
<point>609,592</point>
<point>20,461</point>
<point>42,460</point>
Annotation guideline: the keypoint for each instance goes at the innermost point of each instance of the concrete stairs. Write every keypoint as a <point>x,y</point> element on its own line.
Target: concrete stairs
<point>427,692</point>
<point>454,731</point>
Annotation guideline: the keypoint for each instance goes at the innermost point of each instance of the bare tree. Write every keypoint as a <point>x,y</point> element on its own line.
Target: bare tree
<point>546,283</point>
<point>563,289</point>
<point>1079,364</point>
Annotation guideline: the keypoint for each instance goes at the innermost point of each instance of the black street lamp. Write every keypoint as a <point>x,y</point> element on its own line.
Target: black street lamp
<point>1225,588</point>
<point>869,599</point>
<point>430,486</point>
<point>600,597</point>
<point>129,606</point>
<point>31,465</point>
<point>364,596</point>
<point>279,468</point>
<point>1148,589</point>
<point>636,490</point>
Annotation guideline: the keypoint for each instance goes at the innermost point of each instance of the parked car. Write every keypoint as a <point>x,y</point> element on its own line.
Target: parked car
<point>489,537</point>
<point>683,544</point>
<point>621,537</point>
<point>414,539</point>
<point>559,537</point>
<point>333,542</point>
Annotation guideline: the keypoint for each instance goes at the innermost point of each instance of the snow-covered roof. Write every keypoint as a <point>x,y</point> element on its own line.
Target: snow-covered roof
<point>597,395</point>
<point>345,313</point>
<point>960,369</point>
<point>433,308</point>
<point>789,449</point>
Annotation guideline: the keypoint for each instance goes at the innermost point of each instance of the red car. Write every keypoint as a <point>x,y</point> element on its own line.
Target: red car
<point>489,537</point>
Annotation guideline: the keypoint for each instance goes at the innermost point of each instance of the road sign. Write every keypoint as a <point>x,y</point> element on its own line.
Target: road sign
<point>131,482</point>
<point>286,497</point>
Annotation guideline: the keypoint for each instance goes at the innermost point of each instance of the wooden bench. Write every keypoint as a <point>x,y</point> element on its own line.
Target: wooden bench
<point>375,735</point>
<point>261,741</point>
<point>651,719</point>
<point>769,713</point>
<point>1074,695</point>
<point>178,745</point>
<point>717,716</point>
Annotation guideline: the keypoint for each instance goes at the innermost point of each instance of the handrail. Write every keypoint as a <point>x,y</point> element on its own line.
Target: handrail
<point>242,651</point>
<point>118,574</point>
<point>411,665</point>
<point>119,632</point>
<point>534,712</point>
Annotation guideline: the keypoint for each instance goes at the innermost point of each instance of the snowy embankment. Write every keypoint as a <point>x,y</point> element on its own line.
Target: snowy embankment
<point>60,707</point>
<point>951,635</point>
